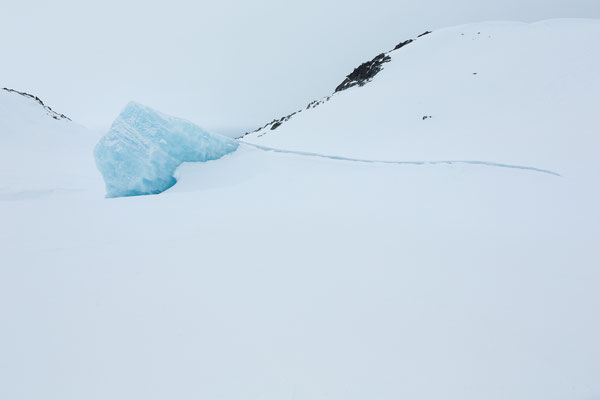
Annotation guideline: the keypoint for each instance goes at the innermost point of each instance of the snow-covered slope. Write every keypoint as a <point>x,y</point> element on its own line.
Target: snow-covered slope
<point>41,152</point>
<point>269,274</point>
<point>524,94</point>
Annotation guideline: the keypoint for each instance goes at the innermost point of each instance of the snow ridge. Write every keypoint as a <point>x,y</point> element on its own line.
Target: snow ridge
<point>360,76</point>
<point>57,116</point>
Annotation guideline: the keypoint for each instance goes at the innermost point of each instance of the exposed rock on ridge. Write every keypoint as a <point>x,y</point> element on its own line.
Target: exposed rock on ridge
<point>49,110</point>
<point>361,75</point>
<point>364,72</point>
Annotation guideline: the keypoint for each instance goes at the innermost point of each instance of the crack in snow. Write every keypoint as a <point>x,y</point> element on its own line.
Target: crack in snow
<point>341,158</point>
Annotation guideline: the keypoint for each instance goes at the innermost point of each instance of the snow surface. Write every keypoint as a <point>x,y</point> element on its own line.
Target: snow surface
<point>144,147</point>
<point>269,274</point>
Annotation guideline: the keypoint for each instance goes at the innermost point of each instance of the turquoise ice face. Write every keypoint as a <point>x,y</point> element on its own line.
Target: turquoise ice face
<point>143,148</point>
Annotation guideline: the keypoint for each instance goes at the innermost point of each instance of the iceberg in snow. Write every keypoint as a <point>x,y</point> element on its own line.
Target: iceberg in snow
<point>144,147</point>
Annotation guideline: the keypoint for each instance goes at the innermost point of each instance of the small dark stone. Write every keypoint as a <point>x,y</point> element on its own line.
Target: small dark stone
<point>424,33</point>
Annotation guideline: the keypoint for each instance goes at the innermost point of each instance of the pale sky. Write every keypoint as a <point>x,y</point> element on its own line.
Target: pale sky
<point>226,65</point>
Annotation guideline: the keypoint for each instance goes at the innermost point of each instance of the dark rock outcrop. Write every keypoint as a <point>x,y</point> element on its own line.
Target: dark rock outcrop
<point>49,110</point>
<point>423,34</point>
<point>402,44</point>
<point>364,72</point>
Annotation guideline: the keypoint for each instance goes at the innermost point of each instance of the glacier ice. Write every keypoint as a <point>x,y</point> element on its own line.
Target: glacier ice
<point>143,148</point>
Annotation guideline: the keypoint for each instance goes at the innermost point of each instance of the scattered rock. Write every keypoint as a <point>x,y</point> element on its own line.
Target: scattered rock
<point>423,34</point>
<point>426,117</point>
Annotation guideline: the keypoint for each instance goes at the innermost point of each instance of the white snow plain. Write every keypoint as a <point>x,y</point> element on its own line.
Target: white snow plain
<point>274,275</point>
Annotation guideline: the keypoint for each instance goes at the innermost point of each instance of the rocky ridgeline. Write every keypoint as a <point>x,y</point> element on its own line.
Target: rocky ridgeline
<point>49,111</point>
<point>361,75</point>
